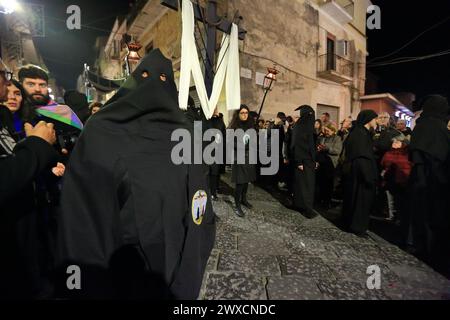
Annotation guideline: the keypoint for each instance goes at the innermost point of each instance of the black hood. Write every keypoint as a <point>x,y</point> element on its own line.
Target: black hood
<point>78,102</point>
<point>148,97</point>
<point>430,135</point>
<point>307,118</point>
<point>435,106</point>
<point>365,117</point>
<point>303,143</point>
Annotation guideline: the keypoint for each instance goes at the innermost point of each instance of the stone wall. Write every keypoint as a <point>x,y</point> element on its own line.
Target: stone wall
<point>290,34</point>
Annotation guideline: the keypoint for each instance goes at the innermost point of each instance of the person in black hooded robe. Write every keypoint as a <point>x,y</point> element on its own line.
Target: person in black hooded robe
<point>242,174</point>
<point>216,122</point>
<point>430,152</point>
<point>360,174</point>
<point>304,151</point>
<point>137,225</point>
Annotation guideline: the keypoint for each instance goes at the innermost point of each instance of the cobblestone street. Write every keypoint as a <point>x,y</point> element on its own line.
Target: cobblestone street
<point>277,254</point>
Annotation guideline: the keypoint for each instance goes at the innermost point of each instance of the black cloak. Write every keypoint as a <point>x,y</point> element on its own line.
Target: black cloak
<point>216,122</point>
<point>303,146</point>
<point>430,153</point>
<point>304,152</point>
<point>360,175</point>
<point>136,224</point>
<point>430,134</point>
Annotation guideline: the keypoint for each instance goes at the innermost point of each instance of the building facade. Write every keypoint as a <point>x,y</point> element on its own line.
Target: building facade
<point>17,47</point>
<point>319,47</point>
<point>386,102</point>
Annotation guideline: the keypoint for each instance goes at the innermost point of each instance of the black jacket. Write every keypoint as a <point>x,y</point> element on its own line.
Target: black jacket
<point>18,238</point>
<point>18,170</point>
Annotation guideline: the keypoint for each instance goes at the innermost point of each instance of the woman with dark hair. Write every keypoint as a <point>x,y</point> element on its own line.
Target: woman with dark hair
<point>303,150</point>
<point>242,174</point>
<point>17,103</point>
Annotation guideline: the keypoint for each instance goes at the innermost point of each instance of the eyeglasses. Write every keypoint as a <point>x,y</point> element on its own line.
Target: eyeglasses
<point>243,113</point>
<point>7,75</point>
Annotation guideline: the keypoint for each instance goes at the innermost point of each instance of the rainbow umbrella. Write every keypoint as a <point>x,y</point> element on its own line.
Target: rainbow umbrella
<point>60,113</point>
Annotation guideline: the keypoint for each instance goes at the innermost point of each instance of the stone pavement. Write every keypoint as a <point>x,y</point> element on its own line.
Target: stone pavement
<point>277,254</point>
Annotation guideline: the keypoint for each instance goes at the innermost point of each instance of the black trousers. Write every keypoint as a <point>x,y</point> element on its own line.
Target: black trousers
<point>214,184</point>
<point>304,188</point>
<point>403,209</point>
<point>240,193</point>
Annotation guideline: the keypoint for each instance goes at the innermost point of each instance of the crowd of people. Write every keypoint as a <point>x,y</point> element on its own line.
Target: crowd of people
<point>376,167</point>
<point>75,186</point>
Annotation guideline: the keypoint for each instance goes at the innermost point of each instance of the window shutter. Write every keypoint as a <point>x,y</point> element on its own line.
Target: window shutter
<point>341,48</point>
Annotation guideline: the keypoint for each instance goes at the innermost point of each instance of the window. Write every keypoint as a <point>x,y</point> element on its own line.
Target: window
<point>343,48</point>
<point>332,110</point>
<point>331,59</point>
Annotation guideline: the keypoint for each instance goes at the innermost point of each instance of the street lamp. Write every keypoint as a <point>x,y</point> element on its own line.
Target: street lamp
<point>269,80</point>
<point>8,6</point>
<point>133,54</point>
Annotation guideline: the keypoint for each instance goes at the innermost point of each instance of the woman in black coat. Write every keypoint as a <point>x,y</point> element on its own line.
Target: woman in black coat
<point>360,174</point>
<point>303,149</point>
<point>242,174</point>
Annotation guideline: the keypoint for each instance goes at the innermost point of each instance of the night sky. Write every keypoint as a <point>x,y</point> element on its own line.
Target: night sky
<point>66,51</point>
<point>402,21</point>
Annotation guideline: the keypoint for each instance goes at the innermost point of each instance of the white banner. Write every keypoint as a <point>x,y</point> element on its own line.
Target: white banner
<point>190,64</point>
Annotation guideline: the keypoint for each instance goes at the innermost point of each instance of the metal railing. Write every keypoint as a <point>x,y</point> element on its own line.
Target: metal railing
<point>333,62</point>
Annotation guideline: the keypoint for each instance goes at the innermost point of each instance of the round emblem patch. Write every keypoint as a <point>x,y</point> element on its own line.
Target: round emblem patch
<point>199,202</point>
<point>218,138</point>
<point>246,139</point>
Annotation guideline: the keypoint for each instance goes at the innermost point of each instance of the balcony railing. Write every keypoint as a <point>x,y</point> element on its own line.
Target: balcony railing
<point>335,68</point>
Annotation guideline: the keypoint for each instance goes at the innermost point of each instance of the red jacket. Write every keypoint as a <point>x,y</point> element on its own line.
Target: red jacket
<point>397,166</point>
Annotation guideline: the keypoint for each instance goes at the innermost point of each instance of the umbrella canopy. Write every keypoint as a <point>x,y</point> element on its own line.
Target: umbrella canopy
<point>60,113</point>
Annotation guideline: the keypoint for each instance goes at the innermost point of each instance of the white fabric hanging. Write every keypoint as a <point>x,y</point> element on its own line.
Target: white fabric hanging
<point>233,82</point>
<point>190,64</point>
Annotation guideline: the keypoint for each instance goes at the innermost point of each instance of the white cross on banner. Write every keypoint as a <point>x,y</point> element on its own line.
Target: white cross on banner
<point>190,64</point>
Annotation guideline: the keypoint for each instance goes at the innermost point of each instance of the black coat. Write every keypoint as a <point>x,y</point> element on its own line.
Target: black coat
<point>430,151</point>
<point>246,172</point>
<point>303,149</point>
<point>138,225</point>
<point>383,141</point>
<point>360,179</point>
<point>218,124</point>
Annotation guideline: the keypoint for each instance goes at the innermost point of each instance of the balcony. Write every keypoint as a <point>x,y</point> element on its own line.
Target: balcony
<point>335,68</point>
<point>341,10</point>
